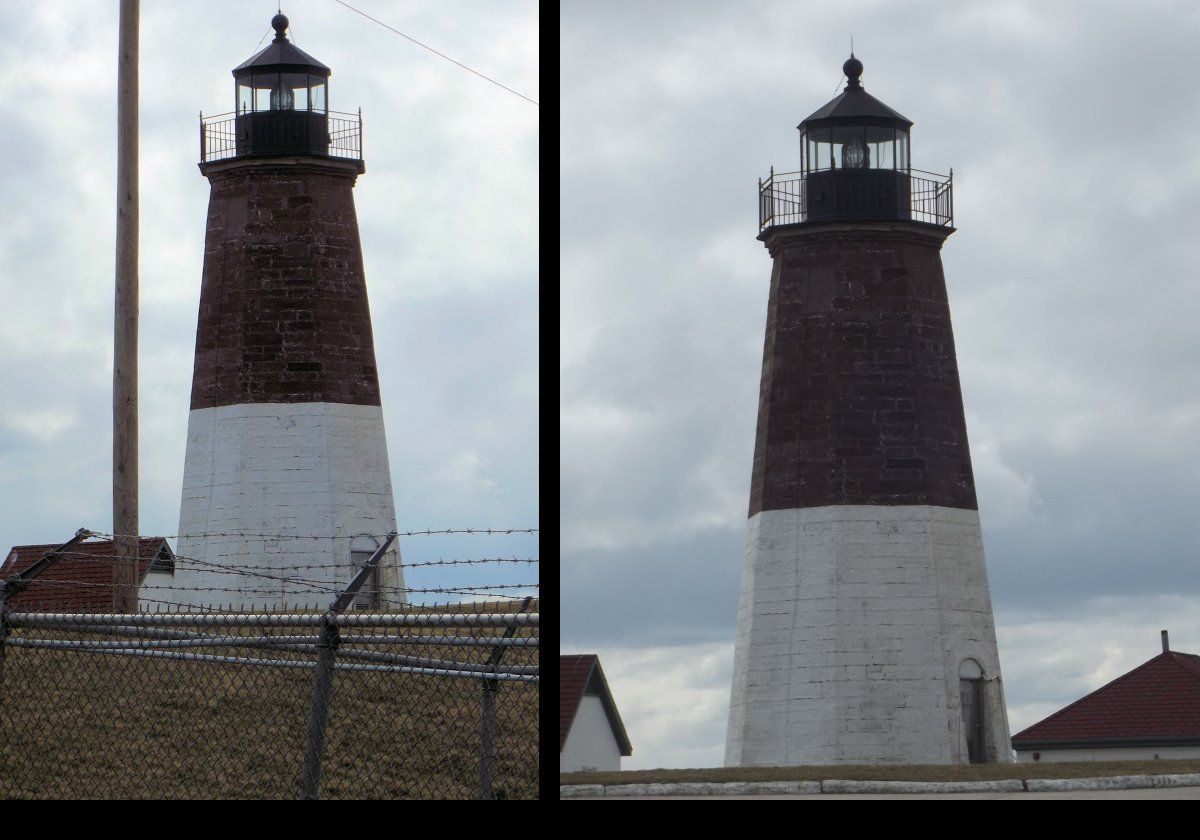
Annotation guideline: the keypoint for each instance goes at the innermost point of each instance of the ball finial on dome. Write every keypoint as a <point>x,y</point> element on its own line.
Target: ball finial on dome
<point>280,24</point>
<point>853,69</point>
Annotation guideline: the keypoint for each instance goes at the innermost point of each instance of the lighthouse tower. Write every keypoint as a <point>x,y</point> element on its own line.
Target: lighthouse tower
<point>286,487</point>
<point>865,631</point>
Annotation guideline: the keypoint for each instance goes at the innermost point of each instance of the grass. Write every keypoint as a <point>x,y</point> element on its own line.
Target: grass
<point>86,725</point>
<point>890,772</point>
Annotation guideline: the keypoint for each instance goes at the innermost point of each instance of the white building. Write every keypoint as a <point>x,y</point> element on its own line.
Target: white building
<point>590,733</point>
<point>1151,712</point>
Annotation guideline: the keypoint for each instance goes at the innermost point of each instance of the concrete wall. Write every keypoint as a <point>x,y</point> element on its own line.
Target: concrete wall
<point>281,469</point>
<point>853,622</point>
<point>590,743</point>
<point>1110,754</point>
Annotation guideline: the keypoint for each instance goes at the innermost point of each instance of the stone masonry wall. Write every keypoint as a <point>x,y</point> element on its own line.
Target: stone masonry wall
<point>283,305</point>
<point>860,400</point>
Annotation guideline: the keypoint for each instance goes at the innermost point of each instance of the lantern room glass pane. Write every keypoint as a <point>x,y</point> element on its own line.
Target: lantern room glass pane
<point>884,155</point>
<point>820,158</point>
<point>294,91</point>
<point>281,92</point>
<point>263,84</point>
<point>855,153</point>
<point>281,98</point>
<point>851,146</point>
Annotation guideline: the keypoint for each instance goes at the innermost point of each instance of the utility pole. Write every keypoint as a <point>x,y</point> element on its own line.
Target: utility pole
<point>125,320</point>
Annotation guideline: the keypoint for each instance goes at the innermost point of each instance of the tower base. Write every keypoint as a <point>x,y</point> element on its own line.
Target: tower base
<point>282,503</point>
<point>862,632</point>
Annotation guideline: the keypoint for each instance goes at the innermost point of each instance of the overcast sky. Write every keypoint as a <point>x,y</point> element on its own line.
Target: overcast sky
<point>448,212</point>
<point>1074,282</point>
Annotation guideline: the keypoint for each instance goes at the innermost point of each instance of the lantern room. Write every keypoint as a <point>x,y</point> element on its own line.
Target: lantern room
<point>282,100</point>
<point>854,156</point>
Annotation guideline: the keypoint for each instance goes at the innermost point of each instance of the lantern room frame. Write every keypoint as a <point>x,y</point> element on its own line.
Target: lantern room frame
<point>275,89</point>
<point>855,165</point>
<point>281,108</point>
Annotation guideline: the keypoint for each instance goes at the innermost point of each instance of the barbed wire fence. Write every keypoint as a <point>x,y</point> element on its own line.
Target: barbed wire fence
<point>187,700</point>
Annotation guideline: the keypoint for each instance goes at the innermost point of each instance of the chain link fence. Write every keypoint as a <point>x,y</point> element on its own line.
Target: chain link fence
<point>426,703</point>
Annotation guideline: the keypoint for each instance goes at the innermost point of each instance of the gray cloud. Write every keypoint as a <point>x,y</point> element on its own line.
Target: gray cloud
<point>448,212</point>
<point>1072,279</point>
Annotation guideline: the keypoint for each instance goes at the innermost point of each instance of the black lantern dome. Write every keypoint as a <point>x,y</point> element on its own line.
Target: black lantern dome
<point>282,100</point>
<point>855,157</point>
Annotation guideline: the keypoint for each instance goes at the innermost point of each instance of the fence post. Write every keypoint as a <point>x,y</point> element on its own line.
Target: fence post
<point>318,715</point>
<point>487,758</point>
<point>3,628</point>
<point>487,734</point>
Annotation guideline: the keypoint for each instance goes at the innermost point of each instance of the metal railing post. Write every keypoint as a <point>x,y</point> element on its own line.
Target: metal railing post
<point>318,714</point>
<point>950,193</point>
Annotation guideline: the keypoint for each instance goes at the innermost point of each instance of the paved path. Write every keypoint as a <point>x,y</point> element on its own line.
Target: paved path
<point>1141,793</point>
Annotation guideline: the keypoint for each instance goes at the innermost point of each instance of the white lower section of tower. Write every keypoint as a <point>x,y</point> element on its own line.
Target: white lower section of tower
<point>282,503</point>
<point>865,636</point>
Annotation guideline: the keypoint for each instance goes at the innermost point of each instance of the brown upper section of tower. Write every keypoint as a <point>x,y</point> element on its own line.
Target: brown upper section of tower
<point>859,401</point>
<point>283,305</point>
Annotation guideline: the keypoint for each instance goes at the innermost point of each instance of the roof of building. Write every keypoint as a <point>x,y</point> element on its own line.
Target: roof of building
<point>855,105</point>
<point>1157,703</point>
<point>81,581</point>
<point>282,54</point>
<point>581,675</point>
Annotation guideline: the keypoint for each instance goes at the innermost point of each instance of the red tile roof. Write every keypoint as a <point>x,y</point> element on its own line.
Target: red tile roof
<point>573,673</point>
<point>576,674</point>
<point>81,581</point>
<point>1157,700</point>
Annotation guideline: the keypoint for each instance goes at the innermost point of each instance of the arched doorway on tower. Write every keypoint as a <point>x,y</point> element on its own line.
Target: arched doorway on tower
<point>361,549</point>
<point>970,682</point>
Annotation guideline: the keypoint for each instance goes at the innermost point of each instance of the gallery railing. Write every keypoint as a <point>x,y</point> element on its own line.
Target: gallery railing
<point>335,134</point>
<point>833,195</point>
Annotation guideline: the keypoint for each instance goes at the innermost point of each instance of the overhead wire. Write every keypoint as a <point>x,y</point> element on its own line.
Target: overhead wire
<point>435,52</point>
